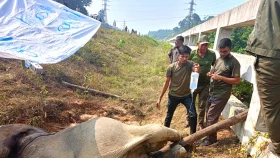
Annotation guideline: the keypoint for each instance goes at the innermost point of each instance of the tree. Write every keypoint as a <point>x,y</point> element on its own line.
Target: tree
<point>239,38</point>
<point>176,29</point>
<point>77,4</point>
<point>101,15</point>
<point>195,20</point>
<point>206,18</point>
<point>183,25</point>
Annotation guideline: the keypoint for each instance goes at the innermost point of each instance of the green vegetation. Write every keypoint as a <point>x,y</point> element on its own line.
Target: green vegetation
<point>243,91</point>
<point>76,5</point>
<point>239,38</point>
<point>124,64</point>
<point>183,25</point>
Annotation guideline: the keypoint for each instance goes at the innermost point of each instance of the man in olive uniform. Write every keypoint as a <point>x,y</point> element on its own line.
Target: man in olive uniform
<point>224,74</point>
<point>178,76</point>
<point>173,57</point>
<point>264,43</point>
<point>174,52</point>
<point>205,58</point>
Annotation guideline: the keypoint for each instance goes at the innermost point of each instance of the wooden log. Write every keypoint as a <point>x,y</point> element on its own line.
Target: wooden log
<point>189,140</point>
<point>90,90</point>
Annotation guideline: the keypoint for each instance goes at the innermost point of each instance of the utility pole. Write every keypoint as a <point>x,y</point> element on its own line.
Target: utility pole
<point>124,25</point>
<point>191,9</point>
<point>105,10</point>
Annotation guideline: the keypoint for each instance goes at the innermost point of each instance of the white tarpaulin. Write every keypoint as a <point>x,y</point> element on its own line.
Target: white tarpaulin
<point>42,31</point>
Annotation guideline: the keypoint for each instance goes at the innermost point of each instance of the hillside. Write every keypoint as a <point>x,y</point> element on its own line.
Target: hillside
<point>114,62</point>
<point>119,63</point>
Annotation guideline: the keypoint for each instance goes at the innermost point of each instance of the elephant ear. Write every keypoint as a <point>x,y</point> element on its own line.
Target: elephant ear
<point>115,139</point>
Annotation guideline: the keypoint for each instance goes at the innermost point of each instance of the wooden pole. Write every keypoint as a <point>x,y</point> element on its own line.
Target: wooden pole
<point>189,140</point>
<point>90,90</point>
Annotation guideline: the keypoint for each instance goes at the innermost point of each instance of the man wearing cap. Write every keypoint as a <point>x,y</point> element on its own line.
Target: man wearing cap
<point>205,58</point>
<point>263,43</point>
<point>174,52</point>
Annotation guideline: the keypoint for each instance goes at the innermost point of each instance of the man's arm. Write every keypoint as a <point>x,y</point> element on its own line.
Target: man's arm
<point>164,88</point>
<point>235,80</point>
<point>170,53</point>
<point>169,59</point>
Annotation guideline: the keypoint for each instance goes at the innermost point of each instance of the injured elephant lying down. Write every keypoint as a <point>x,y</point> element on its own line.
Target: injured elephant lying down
<point>99,137</point>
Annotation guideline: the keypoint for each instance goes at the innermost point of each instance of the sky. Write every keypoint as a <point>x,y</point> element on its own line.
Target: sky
<point>152,15</point>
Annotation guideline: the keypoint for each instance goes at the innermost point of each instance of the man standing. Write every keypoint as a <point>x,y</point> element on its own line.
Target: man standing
<point>178,80</point>
<point>205,58</point>
<point>114,24</point>
<point>264,43</point>
<point>224,74</point>
<point>173,53</point>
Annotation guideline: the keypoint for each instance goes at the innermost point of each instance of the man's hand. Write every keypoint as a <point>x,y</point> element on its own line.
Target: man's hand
<point>216,77</point>
<point>196,68</point>
<point>158,103</point>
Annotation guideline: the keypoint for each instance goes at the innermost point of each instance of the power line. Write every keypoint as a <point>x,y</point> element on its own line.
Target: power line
<point>167,5</point>
<point>151,19</point>
<point>139,10</point>
<point>161,18</point>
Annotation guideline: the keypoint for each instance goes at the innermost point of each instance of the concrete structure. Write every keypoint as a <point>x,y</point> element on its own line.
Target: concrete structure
<point>243,15</point>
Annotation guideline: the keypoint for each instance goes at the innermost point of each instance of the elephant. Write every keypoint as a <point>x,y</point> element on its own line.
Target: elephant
<point>100,137</point>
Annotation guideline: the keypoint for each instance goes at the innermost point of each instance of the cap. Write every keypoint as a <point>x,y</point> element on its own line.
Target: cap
<point>203,39</point>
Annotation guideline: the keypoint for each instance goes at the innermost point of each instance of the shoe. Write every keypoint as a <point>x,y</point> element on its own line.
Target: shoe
<point>206,142</point>
<point>187,124</point>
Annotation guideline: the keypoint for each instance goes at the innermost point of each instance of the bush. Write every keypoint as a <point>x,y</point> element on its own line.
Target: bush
<point>243,91</point>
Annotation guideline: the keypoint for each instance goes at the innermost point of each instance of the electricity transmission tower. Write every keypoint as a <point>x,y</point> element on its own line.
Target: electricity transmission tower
<point>105,4</point>
<point>124,25</point>
<point>191,9</point>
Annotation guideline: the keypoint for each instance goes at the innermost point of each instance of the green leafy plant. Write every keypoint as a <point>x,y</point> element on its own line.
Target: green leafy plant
<point>243,91</point>
<point>121,43</point>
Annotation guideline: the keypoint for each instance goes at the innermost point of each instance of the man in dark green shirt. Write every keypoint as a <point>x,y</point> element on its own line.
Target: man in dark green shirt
<point>205,58</point>
<point>177,79</point>
<point>264,43</point>
<point>174,52</point>
<point>224,74</point>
